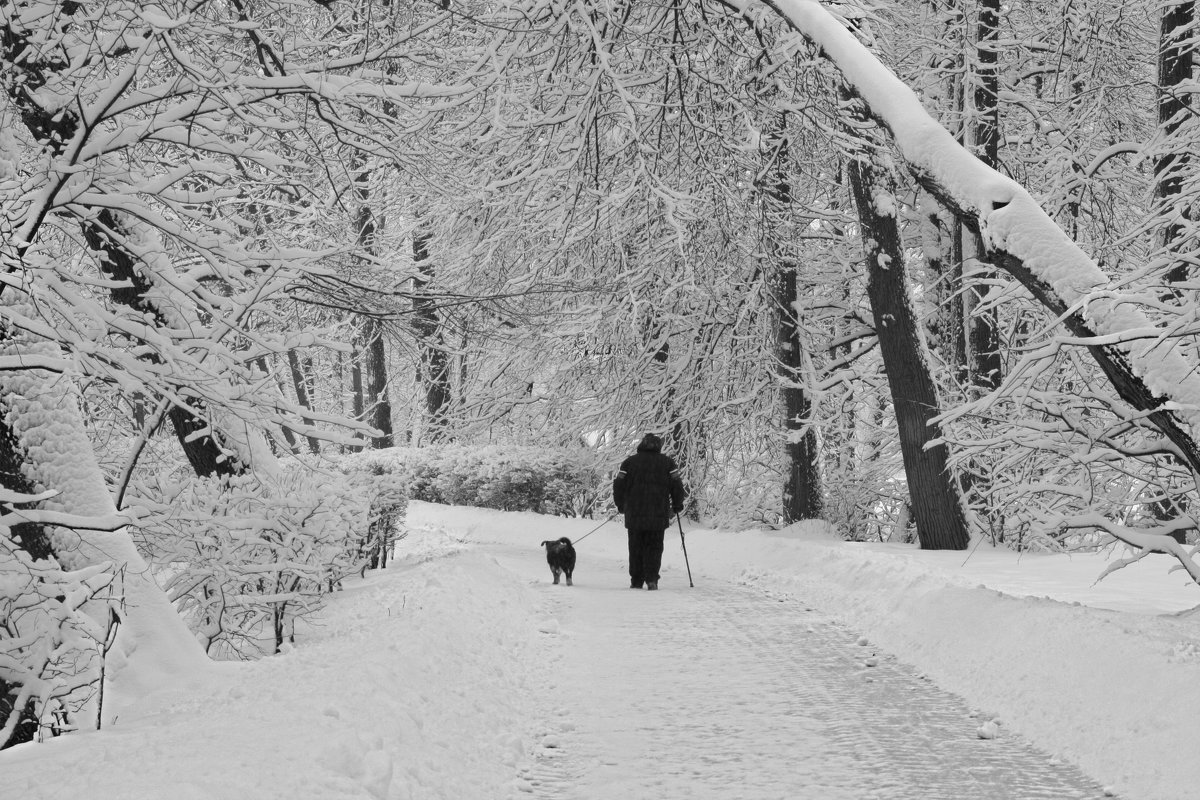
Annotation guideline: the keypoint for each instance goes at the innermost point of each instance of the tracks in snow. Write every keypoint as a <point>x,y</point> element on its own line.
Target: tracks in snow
<point>728,693</point>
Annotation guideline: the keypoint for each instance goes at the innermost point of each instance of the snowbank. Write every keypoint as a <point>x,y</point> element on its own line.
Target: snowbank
<point>399,694</point>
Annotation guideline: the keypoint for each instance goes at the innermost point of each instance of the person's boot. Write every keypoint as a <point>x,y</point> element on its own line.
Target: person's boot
<point>652,585</point>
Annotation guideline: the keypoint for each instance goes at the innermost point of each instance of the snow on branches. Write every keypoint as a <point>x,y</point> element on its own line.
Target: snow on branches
<point>51,647</point>
<point>243,557</point>
<point>1146,363</point>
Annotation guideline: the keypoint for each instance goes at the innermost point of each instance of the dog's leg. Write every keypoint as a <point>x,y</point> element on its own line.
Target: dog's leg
<point>555,570</point>
<point>569,578</point>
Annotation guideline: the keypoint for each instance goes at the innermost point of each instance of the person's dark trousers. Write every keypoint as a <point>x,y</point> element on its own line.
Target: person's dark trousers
<point>645,556</point>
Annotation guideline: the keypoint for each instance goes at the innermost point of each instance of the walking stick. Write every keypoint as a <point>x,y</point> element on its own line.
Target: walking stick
<point>683,542</point>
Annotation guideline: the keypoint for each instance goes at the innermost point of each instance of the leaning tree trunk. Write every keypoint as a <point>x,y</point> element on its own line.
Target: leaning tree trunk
<point>936,502</point>
<point>34,539</point>
<point>40,421</point>
<point>105,234</point>
<point>942,246</point>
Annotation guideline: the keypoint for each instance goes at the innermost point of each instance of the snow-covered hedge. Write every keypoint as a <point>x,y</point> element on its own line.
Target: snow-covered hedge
<point>564,482</point>
<point>243,557</point>
<point>385,494</point>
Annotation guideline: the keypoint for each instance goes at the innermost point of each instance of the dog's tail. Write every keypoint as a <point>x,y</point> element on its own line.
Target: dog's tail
<point>564,540</point>
<point>548,542</point>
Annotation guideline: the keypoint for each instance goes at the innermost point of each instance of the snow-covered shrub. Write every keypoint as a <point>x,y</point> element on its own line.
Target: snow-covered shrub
<point>869,504</point>
<point>385,494</point>
<point>51,651</point>
<point>243,557</point>
<point>1068,464</point>
<point>505,477</point>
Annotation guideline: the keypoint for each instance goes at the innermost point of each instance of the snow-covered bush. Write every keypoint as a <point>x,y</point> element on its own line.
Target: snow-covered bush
<point>1057,462</point>
<point>869,504</point>
<point>243,557</point>
<point>505,477</point>
<point>51,651</point>
<point>385,494</point>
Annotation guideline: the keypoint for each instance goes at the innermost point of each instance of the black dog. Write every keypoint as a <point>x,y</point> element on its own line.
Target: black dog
<point>560,555</point>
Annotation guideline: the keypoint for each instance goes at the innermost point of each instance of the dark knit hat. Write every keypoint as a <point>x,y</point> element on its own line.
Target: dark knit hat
<point>651,443</point>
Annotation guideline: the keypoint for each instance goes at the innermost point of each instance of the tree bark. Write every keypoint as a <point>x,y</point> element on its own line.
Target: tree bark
<point>1175,66</point>
<point>802,487</point>
<point>378,406</point>
<point>985,364</point>
<point>358,402</point>
<point>379,415</point>
<point>803,497</point>
<point>434,363</point>
<point>942,246</point>
<point>936,502</point>
<point>288,436</point>
<point>1175,62</point>
<point>300,382</point>
<point>33,538</point>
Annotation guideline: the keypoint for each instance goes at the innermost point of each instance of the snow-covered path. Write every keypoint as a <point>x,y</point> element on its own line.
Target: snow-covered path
<point>461,673</point>
<point>723,691</point>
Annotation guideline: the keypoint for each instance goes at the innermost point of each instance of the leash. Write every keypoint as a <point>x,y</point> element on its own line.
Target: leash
<point>593,530</point>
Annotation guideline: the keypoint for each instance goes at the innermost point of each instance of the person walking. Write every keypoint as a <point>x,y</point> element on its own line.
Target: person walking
<point>647,489</point>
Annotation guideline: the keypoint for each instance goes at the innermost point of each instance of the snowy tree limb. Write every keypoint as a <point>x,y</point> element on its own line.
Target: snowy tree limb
<point>1018,235</point>
<point>1145,541</point>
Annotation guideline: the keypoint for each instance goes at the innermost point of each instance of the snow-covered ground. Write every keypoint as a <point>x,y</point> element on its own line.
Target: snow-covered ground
<point>460,673</point>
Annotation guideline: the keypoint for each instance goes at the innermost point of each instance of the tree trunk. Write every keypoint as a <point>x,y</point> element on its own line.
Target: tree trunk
<point>378,407</point>
<point>802,489</point>
<point>985,364</point>
<point>934,492</point>
<point>357,391</point>
<point>39,421</point>
<point>33,538</point>
<point>434,364</point>
<point>1175,61</point>
<point>288,436</point>
<point>942,245</point>
<point>300,382</point>
<point>379,414</point>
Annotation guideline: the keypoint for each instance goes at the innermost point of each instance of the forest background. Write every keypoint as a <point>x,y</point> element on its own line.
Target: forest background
<point>272,266</point>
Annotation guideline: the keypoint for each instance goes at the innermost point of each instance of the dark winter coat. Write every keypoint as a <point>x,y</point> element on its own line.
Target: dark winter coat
<point>648,489</point>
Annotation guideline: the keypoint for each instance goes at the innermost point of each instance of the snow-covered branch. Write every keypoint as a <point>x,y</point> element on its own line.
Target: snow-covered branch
<point>1144,541</point>
<point>1018,235</point>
